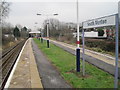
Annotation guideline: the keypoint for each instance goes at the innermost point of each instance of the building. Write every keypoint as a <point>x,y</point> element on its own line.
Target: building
<point>35,34</point>
<point>90,34</point>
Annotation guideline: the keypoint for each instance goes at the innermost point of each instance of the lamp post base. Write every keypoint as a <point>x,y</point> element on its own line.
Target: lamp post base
<point>48,46</point>
<point>78,60</point>
<point>41,40</point>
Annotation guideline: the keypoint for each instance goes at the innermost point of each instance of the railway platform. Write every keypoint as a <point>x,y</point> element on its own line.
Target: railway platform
<point>103,57</point>
<point>25,73</point>
<point>102,61</point>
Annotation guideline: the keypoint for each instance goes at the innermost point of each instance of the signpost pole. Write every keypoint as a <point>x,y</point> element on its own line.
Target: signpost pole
<point>78,42</point>
<point>107,21</point>
<point>116,51</point>
<point>83,53</point>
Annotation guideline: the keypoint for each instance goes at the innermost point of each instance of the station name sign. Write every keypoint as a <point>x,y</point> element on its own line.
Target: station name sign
<point>99,22</point>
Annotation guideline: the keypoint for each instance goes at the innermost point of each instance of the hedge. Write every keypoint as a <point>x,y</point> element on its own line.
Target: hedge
<point>102,44</point>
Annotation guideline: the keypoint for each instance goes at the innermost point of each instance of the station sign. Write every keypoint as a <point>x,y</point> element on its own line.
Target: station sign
<point>100,22</point>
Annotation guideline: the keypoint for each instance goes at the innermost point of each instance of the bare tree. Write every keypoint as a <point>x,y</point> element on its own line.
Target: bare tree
<point>4,10</point>
<point>59,30</point>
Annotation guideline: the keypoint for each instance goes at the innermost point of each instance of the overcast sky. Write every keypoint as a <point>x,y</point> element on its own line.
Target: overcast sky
<point>24,12</point>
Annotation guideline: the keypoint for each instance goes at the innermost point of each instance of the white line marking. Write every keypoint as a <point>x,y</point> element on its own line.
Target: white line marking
<point>13,70</point>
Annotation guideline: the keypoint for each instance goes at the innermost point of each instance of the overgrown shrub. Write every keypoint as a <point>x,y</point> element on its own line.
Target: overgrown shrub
<point>102,44</point>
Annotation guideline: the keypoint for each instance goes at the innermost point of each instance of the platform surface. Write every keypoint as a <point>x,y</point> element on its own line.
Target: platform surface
<point>26,73</point>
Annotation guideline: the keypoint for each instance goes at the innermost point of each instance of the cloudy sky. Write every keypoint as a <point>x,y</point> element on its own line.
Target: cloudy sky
<point>24,12</point>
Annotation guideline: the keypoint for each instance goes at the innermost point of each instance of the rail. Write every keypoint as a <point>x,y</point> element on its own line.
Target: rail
<point>8,60</point>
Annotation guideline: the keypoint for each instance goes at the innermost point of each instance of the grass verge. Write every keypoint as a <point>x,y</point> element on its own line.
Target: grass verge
<point>65,63</point>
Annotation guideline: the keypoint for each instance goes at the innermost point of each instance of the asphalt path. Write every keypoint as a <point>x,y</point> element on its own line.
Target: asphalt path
<point>50,76</point>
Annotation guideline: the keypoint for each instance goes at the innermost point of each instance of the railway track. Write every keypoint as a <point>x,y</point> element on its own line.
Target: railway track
<point>8,60</point>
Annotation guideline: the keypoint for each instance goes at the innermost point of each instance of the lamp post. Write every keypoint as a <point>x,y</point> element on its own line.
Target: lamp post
<point>48,27</point>
<point>78,43</point>
<point>36,28</point>
<point>40,35</point>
